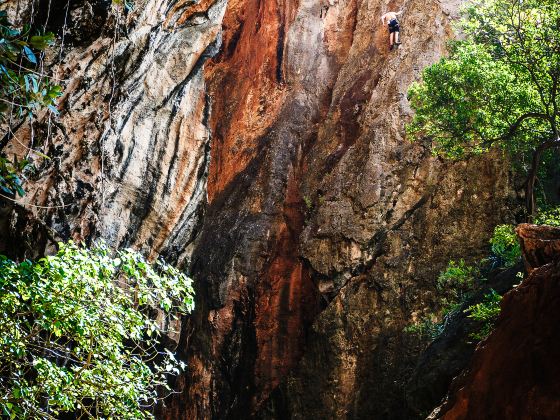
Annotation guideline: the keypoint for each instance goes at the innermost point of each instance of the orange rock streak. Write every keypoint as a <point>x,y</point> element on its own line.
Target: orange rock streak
<point>285,302</point>
<point>246,84</point>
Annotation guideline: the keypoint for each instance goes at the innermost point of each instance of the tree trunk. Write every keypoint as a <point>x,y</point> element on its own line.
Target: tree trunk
<point>532,176</point>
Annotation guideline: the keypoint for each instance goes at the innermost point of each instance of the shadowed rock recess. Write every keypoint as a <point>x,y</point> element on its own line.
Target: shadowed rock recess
<point>278,171</point>
<point>514,373</point>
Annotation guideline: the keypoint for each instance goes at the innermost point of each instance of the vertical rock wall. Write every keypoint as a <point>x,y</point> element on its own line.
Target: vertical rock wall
<point>129,152</point>
<point>326,227</point>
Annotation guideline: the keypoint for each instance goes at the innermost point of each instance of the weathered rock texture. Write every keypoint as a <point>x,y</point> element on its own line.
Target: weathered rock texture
<point>540,245</point>
<point>130,149</point>
<point>514,373</point>
<point>326,228</point>
<point>451,352</point>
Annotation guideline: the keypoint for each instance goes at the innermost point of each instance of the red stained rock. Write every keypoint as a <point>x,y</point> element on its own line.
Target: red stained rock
<point>540,244</point>
<point>246,84</point>
<point>286,301</point>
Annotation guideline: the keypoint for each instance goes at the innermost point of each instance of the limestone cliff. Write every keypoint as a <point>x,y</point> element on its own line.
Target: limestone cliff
<point>324,228</point>
<point>130,149</point>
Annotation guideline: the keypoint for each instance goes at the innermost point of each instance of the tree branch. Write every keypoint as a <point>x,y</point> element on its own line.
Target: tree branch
<point>515,126</point>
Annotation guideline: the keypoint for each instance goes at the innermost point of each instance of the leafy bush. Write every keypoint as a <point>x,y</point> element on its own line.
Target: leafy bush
<point>455,284</point>
<point>427,327</point>
<point>549,217</point>
<point>485,312</point>
<point>78,333</point>
<point>505,245</point>
<point>458,277</point>
<point>23,89</point>
<point>459,282</point>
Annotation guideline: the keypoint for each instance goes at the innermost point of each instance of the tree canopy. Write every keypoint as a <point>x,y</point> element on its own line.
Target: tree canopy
<point>499,86</point>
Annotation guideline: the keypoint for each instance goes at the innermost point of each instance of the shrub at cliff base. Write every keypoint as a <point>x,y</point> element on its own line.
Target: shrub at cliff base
<point>78,333</point>
<point>500,87</point>
<point>505,245</point>
<point>459,282</point>
<point>486,313</point>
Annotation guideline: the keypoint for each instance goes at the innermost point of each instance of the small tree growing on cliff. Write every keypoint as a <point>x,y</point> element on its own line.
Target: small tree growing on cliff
<point>498,87</point>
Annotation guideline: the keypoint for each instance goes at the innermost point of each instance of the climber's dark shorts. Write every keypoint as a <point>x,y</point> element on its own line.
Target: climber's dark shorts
<point>393,26</point>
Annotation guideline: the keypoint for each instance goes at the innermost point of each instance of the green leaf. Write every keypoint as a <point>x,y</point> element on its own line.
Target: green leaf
<point>29,55</point>
<point>72,297</point>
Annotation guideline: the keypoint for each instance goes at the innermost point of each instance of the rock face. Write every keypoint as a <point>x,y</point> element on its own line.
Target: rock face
<point>130,149</point>
<point>325,227</point>
<point>514,373</point>
<point>540,245</point>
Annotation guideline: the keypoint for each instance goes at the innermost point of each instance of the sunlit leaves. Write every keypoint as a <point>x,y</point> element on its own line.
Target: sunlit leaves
<point>79,333</point>
<point>10,178</point>
<point>499,86</point>
<point>505,245</point>
<point>486,313</point>
<point>24,89</point>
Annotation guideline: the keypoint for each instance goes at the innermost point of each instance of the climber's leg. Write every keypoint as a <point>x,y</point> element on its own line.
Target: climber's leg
<point>394,33</point>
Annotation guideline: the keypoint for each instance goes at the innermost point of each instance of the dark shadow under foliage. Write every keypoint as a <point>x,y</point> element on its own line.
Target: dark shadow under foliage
<point>451,352</point>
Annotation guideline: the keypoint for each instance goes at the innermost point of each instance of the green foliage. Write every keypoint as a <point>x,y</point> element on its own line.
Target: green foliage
<point>459,282</point>
<point>10,181</point>
<point>505,245</point>
<point>454,285</point>
<point>498,87</point>
<point>486,312</point>
<point>24,89</point>
<point>458,276</point>
<point>79,336</point>
<point>460,105</point>
<point>549,217</point>
<point>427,327</point>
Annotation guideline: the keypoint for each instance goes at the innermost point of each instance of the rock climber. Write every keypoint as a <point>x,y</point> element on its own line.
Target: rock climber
<point>393,24</point>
